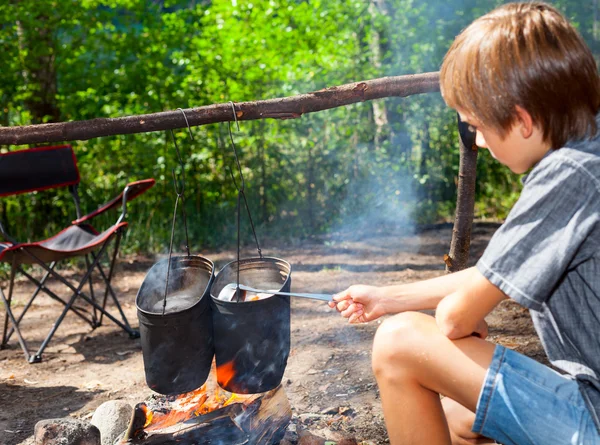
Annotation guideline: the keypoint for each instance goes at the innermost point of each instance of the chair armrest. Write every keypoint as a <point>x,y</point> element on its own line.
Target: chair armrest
<point>131,191</point>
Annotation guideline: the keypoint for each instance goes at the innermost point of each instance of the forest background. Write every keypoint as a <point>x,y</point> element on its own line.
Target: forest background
<point>387,164</point>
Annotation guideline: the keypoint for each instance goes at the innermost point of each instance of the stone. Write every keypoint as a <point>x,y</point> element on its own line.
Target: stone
<point>66,431</point>
<point>112,419</point>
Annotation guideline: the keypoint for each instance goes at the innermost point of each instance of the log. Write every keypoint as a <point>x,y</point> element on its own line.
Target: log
<point>281,108</point>
<point>216,427</point>
<point>261,420</point>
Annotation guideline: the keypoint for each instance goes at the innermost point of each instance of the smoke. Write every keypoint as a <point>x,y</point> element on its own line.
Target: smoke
<point>379,202</point>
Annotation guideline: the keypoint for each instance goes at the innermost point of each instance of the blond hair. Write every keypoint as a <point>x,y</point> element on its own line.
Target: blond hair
<point>527,55</point>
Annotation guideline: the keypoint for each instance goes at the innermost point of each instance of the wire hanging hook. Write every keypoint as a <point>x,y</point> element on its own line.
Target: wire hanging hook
<point>187,123</point>
<point>235,154</point>
<point>241,195</point>
<point>180,191</point>
<point>234,115</point>
<point>181,165</point>
<point>241,190</point>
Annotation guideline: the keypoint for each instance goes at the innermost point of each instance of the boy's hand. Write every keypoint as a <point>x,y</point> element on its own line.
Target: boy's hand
<point>359,303</point>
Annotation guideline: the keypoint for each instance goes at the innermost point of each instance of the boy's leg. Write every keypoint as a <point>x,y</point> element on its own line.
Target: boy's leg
<point>413,363</point>
<point>460,422</point>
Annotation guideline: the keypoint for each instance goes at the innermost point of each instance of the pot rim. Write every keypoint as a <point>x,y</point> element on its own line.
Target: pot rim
<point>251,260</point>
<point>206,290</point>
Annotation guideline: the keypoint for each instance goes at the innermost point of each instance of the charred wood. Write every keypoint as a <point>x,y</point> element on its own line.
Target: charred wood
<point>260,420</point>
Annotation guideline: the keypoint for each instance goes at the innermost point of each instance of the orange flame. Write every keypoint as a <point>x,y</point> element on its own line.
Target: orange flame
<point>196,403</point>
<point>225,373</point>
<point>149,415</point>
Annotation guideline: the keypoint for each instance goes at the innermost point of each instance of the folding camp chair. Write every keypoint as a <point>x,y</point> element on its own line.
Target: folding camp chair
<point>51,167</point>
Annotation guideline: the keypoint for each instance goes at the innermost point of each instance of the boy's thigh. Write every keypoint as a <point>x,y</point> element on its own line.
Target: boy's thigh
<point>523,402</point>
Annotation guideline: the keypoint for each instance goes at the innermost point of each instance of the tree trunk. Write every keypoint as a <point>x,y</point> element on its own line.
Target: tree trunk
<point>380,117</point>
<point>310,184</point>
<point>38,70</point>
<point>465,202</point>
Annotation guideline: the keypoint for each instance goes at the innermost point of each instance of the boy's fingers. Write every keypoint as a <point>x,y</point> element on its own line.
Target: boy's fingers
<point>343,305</point>
<point>357,318</point>
<point>353,309</point>
<point>349,310</point>
<point>344,295</point>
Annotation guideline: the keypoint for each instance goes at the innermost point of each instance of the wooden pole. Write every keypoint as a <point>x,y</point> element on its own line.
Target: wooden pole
<point>281,108</point>
<point>465,201</point>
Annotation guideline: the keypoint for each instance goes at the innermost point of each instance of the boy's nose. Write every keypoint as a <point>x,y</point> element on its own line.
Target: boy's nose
<point>480,140</point>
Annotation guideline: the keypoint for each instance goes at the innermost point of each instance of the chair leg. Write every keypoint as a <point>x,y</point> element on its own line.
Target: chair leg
<point>107,281</point>
<point>13,269</point>
<point>9,315</point>
<point>95,320</point>
<point>41,286</point>
<point>76,293</point>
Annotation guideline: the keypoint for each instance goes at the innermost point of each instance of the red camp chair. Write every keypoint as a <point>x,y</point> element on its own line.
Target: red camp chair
<point>46,168</point>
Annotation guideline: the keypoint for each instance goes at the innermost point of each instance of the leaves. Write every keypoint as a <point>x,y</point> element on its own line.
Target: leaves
<point>81,59</point>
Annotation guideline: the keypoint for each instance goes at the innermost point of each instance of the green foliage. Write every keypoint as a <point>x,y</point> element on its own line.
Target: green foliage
<point>394,159</point>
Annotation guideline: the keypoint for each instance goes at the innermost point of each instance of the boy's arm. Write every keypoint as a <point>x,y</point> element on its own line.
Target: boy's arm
<point>361,303</point>
<point>459,313</point>
<point>425,294</point>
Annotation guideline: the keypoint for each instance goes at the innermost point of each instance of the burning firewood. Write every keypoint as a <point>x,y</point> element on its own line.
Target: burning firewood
<point>211,417</point>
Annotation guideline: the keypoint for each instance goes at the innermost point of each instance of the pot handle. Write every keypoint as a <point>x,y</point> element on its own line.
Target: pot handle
<point>180,192</point>
<point>241,195</point>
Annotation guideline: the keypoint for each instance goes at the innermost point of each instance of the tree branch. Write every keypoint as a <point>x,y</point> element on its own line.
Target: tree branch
<point>282,108</point>
<point>458,256</point>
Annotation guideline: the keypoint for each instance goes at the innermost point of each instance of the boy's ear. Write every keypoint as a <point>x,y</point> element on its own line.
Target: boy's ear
<point>524,121</point>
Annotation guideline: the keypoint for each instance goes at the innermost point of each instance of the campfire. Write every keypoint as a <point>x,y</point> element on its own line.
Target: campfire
<point>211,415</point>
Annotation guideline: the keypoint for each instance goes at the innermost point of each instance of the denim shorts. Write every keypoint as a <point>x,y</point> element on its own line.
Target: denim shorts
<point>524,402</point>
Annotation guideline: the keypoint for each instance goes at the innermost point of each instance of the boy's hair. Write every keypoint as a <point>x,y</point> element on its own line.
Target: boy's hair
<point>524,54</point>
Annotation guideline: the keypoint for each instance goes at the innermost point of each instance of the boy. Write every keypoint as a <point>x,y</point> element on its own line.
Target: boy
<point>528,85</point>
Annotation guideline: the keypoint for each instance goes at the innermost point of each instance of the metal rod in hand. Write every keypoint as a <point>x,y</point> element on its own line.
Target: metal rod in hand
<point>321,297</point>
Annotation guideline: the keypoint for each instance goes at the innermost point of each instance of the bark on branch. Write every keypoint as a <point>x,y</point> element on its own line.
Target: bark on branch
<point>281,108</point>
<point>465,201</point>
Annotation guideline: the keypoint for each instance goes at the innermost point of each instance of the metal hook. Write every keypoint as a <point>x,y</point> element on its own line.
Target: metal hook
<point>187,123</point>
<point>176,184</point>
<point>177,149</point>
<point>180,193</point>
<point>235,115</point>
<point>237,160</point>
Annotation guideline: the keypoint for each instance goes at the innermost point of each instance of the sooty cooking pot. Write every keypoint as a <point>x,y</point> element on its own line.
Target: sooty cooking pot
<point>252,338</point>
<point>177,343</point>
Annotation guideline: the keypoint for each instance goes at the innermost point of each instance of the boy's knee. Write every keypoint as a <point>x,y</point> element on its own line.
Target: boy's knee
<point>398,339</point>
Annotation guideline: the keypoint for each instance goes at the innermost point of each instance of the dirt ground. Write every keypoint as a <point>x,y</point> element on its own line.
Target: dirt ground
<point>328,371</point>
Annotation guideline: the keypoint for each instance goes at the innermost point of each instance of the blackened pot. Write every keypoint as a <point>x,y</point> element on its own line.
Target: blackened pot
<point>252,338</point>
<point>178,346</point>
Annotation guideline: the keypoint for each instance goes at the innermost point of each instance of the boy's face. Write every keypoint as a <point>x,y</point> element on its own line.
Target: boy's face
<point>520,148</point>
